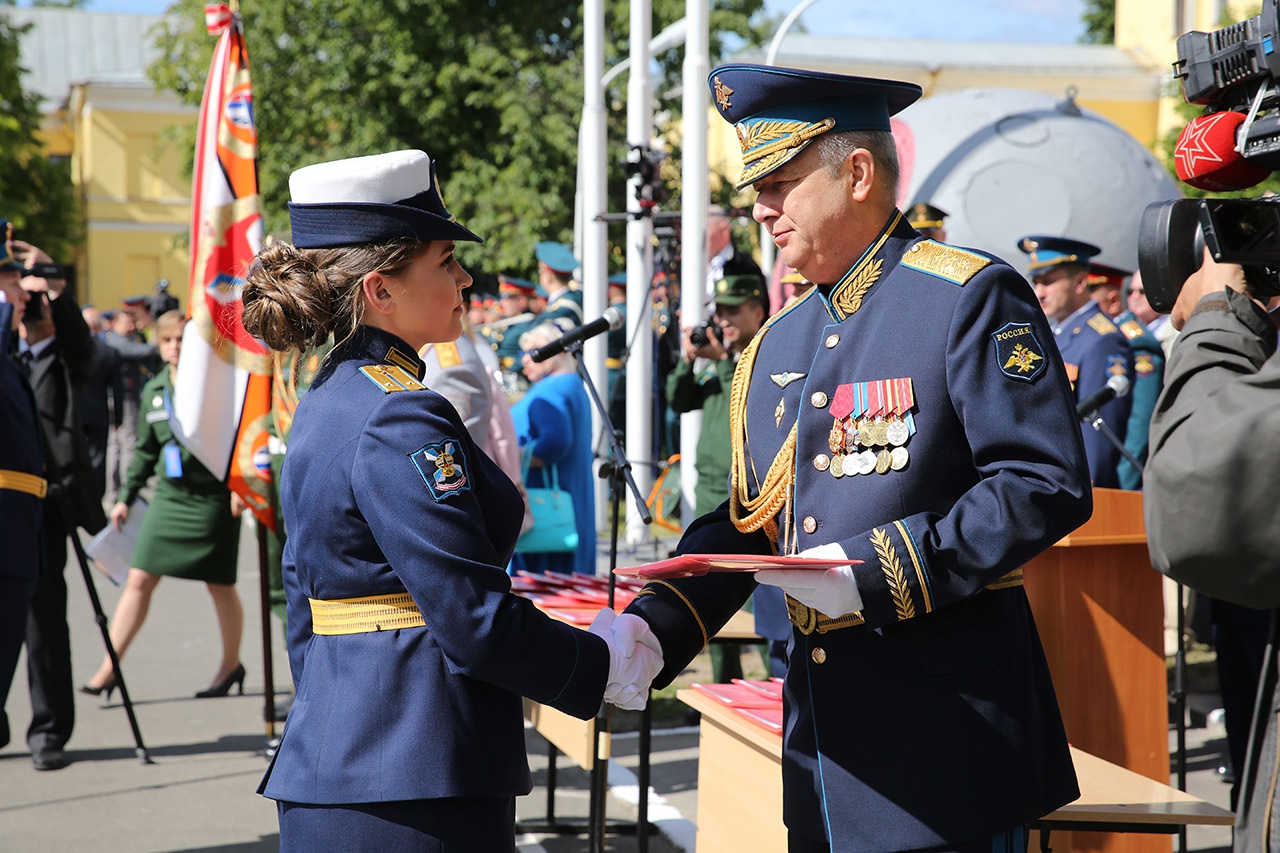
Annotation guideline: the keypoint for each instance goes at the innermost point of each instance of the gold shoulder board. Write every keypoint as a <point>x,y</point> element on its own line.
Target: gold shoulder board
<point>447,354</point>
<point>391,378</point>
<point>1102,324</point>
<point>1131,329</point>
<point>947,262</point>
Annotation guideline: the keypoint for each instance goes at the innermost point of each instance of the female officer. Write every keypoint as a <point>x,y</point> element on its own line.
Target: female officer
<point>409,652</point>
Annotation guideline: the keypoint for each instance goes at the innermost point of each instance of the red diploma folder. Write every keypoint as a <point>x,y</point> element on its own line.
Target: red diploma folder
<point>693,565</point>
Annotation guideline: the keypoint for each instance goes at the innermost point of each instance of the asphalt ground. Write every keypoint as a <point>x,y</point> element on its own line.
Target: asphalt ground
<point>198,792</point>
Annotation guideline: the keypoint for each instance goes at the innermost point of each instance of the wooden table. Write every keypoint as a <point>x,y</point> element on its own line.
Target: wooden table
<point>740,791</point>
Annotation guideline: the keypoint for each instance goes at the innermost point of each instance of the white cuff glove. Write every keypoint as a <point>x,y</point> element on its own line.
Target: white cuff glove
<point>635,658</point>
<point>832,592</point>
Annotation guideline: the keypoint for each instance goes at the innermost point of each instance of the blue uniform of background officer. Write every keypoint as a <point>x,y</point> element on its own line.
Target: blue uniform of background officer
<point>22,483</point>
<point>1092,347</point>
<point>408,650</point>
<point>908,412</point>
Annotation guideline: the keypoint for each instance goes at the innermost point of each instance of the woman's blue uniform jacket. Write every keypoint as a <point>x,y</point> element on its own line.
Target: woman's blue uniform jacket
<point>929,718</point>
<point>421,712</point>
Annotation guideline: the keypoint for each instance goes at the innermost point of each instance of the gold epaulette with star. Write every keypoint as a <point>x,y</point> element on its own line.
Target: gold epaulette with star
<point>1132,329</point>
<point>945,262</point>
<point>1102,324</point>
<point>391,378</point>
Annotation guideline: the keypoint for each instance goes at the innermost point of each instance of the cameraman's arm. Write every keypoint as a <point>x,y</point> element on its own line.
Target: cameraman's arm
<point>74,337</point>
<point>1213,477</point>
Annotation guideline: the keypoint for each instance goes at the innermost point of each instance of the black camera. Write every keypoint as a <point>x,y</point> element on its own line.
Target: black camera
<point>45,270</point>
<point>1173,235</point>
<point>701,336</point>
<point>1230,71</point>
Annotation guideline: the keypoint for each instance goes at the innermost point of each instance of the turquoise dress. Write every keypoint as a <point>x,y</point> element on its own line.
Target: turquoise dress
<point>555,416</point>
<point>189,531</point>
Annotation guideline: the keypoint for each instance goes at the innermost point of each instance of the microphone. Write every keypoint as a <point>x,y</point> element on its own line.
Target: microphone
<point>1117,386</point>
<point>612,319</point>
<point>1206,156</point>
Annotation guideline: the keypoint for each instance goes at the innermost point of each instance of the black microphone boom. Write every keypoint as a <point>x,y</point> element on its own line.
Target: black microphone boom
<point>1117,386</point>
<point>612,319</point>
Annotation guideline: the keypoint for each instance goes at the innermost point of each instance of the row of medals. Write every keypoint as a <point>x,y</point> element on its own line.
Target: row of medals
<point>882,442</point>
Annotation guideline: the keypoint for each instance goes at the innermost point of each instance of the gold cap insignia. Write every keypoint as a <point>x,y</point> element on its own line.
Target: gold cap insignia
<point>722,95</point>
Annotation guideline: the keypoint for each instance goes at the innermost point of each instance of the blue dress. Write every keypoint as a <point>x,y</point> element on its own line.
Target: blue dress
<point>384,493</point>
<point>555,415</point>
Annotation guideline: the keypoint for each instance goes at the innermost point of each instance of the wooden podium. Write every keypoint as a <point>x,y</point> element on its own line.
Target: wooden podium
<point>1100,612</point>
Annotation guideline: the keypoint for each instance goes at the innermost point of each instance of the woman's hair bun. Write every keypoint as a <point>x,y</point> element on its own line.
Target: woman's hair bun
<point>287,299</point>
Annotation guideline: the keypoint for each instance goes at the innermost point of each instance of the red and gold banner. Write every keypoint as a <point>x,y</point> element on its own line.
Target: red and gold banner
<point>223,390</point>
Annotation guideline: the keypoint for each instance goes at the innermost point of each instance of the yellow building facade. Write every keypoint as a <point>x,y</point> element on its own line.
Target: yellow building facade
<point>134,188</point>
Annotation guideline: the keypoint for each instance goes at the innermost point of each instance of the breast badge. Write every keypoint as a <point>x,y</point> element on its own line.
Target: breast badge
<point>443,468</point>
<point>871,424</point>
<point>1018,353</point>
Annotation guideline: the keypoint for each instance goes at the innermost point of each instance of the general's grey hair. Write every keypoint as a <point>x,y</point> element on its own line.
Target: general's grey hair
<point>834,148</point>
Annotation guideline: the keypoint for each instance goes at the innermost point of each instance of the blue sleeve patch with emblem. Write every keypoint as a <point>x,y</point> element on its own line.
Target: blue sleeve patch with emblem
<point>1018,353</point>
<point>443,468</point>
<point>1116,366</point>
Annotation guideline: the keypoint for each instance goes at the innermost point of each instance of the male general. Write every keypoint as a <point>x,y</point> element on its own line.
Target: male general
<point>906,413</point>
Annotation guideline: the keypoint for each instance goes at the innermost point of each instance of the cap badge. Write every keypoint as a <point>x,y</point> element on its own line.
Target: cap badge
<point>722,95</point>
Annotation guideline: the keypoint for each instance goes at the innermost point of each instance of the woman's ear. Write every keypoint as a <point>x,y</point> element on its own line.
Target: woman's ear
<point>376,292</point>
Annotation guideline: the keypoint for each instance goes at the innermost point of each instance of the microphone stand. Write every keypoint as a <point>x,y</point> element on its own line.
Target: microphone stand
<point>1095,420</point>
<point>618,471</point>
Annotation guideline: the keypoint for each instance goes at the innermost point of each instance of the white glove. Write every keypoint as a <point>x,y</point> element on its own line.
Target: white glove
<point>635,658</point>
<point>832,592</point>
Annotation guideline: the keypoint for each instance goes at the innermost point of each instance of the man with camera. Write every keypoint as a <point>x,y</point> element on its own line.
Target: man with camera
<point>1211,483</point>
<point>60,350</point>
<point>22,480</point>
<point>741,307</point>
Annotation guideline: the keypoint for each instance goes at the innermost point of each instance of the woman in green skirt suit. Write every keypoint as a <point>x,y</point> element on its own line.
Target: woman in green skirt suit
<point>191,529</point>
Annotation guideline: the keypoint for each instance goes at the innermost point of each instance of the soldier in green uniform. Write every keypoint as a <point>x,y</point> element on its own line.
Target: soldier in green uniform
<point>741,307</point>
<point>616,353</point>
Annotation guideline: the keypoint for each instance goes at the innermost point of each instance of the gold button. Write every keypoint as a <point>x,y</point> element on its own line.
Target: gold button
<point>832,340</point>
<point>819,400</point>
<point>916,247</point>
<point>810,524</point>
<point>821,461</point>
<point>819,655</point>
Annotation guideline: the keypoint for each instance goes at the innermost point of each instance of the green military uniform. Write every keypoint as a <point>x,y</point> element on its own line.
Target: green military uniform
<point>708,390</point>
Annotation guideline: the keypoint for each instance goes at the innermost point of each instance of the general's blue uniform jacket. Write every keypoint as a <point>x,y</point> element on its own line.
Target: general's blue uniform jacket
<point>1094,350</point>
<point>385,492</point>
<point>928,718</point>
<point>20,451</point>
<point>1148,379</point>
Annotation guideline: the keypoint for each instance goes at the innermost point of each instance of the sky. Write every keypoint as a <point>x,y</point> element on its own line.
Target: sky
<point>1043,21</point>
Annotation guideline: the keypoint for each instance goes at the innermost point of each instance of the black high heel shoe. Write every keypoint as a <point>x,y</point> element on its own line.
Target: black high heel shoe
<point>107,686</point>
<point>223,687</point>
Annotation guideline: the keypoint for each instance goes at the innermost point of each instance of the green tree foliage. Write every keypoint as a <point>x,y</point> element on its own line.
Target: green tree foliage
<point>490,88</point>
<point>1099,22</point>
<point>36,194</point>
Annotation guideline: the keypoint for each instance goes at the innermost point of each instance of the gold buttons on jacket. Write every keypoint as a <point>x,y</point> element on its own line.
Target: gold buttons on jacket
<point>818,399</point>
<point>821,461</point>
<point>819,655</point>
<point>810,524</point>
<point>832,340</point>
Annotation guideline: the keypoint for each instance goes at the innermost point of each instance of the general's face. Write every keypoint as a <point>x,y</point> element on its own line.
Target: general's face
<point>1060,292</point>
<point>13,292</point>
<point>428,297</point>
<point>808,210</point>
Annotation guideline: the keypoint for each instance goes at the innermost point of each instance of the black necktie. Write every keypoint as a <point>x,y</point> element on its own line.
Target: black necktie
<point>24,361</point>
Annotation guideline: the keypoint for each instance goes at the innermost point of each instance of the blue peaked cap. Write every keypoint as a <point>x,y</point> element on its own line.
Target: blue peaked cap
<point>557,256</point>
<point>779,111</point>
<point>1045,252</point>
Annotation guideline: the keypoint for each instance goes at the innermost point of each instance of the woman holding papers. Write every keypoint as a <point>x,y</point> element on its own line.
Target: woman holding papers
<point>190,531</point>
<point>408,650</point>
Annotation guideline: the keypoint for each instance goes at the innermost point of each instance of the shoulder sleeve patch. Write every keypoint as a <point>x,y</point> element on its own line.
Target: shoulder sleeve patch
<point>390,378</point>
<point>443,467</point>
<point>946,262</point>
<point>1102,324</point>
<point>1018,354</point>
